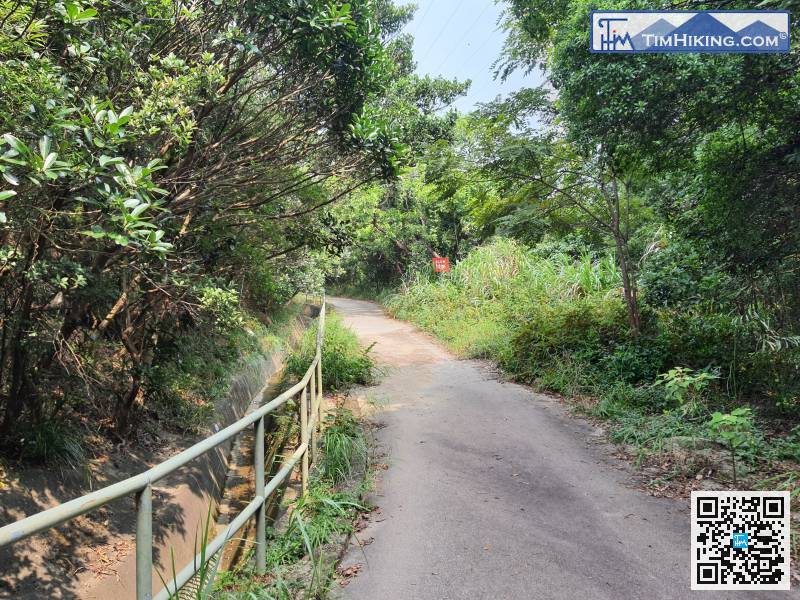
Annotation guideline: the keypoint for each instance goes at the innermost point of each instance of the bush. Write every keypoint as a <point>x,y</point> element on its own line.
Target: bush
<point>586,328</point>
<point>680,275</point>
<point>344,361</point>
<point>193,372</point>
<point>195,369</point>
<point>700,340</point>
<point>223,305</point>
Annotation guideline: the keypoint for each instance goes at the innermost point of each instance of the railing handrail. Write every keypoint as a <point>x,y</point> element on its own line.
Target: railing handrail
<point>141,484</point>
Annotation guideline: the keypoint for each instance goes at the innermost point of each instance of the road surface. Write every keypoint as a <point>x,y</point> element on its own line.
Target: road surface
<point>494,491</point>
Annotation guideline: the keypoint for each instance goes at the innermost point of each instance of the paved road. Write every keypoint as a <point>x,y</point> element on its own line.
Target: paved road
<point>493,491</point>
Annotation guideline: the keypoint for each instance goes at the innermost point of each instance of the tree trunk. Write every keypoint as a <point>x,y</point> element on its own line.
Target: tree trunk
<point>20,385</point>
<point>125,405</point>
<point>628,287</point>
<point>614,203</point>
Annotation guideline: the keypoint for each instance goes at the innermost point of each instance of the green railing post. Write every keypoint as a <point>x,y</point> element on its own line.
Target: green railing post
<point>261,513</point>
<point>304,438</point>
<point>319,390</point>
<point>313,390</point>
<point>144,543</point>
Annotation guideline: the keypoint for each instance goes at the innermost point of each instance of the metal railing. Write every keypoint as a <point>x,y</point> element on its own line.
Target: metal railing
<point>141,485</point>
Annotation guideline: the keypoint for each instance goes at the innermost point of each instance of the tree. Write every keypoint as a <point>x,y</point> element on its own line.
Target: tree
<point>715,135</point>
<point>545,177</point>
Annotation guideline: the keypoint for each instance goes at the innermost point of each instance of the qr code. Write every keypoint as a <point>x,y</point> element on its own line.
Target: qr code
<point>740,540</point>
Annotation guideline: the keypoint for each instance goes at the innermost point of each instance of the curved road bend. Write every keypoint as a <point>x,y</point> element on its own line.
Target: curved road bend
<point>493,491</point>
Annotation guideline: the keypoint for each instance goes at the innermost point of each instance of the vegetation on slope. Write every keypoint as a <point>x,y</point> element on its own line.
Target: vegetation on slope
<point>191,376</point>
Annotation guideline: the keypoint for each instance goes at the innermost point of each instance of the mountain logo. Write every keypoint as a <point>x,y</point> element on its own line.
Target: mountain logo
<point>719,31</point>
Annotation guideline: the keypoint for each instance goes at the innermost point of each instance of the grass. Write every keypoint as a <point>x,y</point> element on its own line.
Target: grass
<point>345,450</point>
<point>344,361</point>
<point>478,305</point>
<point>54,442</point>
<point>201,586</point>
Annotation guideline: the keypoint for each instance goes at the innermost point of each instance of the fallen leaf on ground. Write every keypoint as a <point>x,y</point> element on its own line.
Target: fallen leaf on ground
<point>347,573</point>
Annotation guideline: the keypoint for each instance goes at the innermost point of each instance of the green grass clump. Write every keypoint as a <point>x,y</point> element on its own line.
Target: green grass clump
<point>345,450</point>
<point>315,520</point>
<point>344,361</point>
<point>53,442</point>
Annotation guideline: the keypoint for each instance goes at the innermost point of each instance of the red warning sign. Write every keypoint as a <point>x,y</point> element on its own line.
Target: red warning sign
<point>441,264</point>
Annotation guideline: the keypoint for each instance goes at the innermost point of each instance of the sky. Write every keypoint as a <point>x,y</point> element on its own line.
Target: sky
<point>462,39</point>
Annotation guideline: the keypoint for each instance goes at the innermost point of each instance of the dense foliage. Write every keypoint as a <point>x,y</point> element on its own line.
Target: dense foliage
<point>167,165</point>
<point>559,322</point>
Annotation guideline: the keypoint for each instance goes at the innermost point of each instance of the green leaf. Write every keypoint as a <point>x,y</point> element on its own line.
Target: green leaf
<point>96,234</point>
<point>44,146</point>
<point>109,160</point>
<point>7,194</point>
<point>120,239</point>
<point>139,210</point>
<point>86,15</point>
<point>15,143</point>
<point>48,162</point>
<point>72,10</point>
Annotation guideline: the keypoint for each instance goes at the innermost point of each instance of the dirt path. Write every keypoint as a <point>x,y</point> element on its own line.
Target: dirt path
<point>493,491</point>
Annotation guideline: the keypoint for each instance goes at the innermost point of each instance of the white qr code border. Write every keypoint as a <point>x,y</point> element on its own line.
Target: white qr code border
<point>704,554</point>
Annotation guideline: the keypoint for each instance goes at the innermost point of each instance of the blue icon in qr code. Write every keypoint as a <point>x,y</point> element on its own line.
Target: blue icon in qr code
<point>740,540</point>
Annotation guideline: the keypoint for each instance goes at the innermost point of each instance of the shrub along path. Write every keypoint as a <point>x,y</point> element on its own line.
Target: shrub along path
<point>493,491</point>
